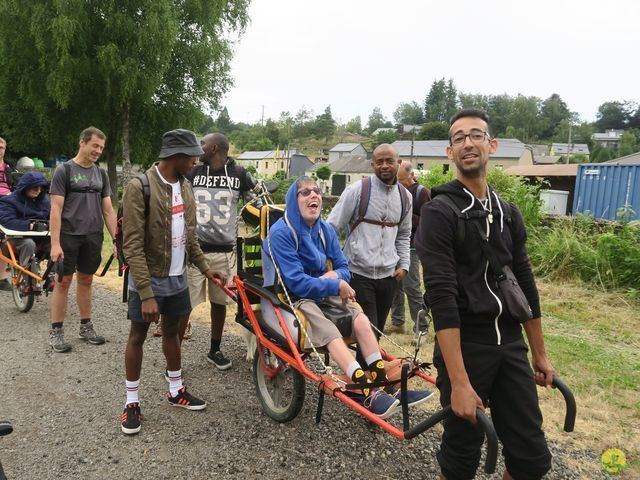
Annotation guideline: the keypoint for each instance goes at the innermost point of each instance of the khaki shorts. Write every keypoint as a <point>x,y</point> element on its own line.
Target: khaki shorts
<point>321,330</point>
<point>223,262</point>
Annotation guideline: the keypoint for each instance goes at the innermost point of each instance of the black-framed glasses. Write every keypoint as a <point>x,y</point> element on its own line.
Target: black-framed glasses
<point>475,135</point>
<point>305,192</point>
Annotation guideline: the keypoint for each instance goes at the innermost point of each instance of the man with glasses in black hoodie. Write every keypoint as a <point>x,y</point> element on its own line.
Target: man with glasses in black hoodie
<point>480,351</point>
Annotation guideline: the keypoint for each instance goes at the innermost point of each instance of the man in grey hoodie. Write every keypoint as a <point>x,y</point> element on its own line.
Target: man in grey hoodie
<point>377,243</point>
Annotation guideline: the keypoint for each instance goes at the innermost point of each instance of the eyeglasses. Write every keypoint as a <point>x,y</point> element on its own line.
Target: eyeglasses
<point>305,192</point>
<point>475,135</point>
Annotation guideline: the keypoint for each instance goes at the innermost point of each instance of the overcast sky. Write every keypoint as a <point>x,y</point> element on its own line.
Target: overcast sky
<point>356,54</point>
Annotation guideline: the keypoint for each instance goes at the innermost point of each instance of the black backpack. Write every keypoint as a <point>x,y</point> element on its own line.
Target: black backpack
<point>69,187</point>
<point>123,266</point>
<point>463,218</point>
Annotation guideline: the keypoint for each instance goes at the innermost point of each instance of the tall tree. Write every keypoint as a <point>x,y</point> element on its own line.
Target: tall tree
<point>524,117</point>
<point>434,131</point>
<point>441,101</point>
<point>499,109</point>
<point>553,111</point>
<point>377,120</point>
<point>324,125</point>
<point>613,115</point>
<point>474,100</point>
<point>408,114</point>
<point>223,122</point>
<point>133,68</point>
<point>354,125</point>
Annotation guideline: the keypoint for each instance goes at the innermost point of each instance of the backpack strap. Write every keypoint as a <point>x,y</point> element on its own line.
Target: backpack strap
<point>67,176</point>
<point>146,193</point>
<point>462,217</point>
<point>124,269</point>
<point>404,201</point>
<point>363,205</point>
<point>68,188</point>
<point>365,197</point>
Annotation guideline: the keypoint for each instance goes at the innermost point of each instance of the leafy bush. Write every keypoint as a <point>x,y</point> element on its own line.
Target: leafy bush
<point>510,188</point>
<point>602,254</point>
<point>432,178</point>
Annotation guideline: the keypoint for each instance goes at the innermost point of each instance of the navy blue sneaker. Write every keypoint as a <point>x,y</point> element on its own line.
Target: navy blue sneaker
<point>382,404</point>
<point>415,397</point>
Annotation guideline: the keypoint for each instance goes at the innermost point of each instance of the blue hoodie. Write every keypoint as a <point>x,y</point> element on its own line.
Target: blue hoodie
<point>17,211</point>
<point>303,259</point>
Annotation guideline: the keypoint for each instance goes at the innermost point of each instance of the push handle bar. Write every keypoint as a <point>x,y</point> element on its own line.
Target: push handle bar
<point>483,422</point>
<point>570,415</point>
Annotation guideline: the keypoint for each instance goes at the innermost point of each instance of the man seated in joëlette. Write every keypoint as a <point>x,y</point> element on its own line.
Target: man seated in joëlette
<point>300,245</point>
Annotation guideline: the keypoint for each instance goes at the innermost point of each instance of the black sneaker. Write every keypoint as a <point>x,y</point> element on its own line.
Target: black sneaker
<point>131,418</point>
<point>185,400</point>
<point>219,360</point>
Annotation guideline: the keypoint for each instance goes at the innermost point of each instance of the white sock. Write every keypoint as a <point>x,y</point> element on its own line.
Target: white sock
<point>132,392</point>
<point>175,381</point>
<point>373,358</point>
<point>353,366</point>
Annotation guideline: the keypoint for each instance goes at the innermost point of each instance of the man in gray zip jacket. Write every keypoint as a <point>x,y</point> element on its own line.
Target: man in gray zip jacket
<point>377,244</point>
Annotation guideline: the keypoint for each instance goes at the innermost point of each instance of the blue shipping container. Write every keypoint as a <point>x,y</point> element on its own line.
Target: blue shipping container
<point>608,191</point>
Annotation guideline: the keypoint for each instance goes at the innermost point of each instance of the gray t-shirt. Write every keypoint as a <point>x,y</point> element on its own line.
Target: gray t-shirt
<point>82,211</point>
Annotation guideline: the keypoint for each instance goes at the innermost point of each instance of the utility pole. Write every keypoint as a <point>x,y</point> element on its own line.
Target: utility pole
<point>569,144</point>
<point>413,136</point>
<point>262,117</point>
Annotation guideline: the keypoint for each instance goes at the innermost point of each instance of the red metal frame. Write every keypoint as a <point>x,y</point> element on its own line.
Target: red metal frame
<point>296,360</point>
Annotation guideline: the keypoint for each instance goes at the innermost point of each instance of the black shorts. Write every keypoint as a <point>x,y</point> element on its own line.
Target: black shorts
<point>81,252</point>
<point>174,305</point>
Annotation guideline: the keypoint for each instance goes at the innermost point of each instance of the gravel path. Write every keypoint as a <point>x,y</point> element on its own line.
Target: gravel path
<point>65,410</point>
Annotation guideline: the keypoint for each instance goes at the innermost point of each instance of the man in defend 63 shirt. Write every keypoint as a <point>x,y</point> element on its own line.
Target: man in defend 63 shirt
<point>217,183</point>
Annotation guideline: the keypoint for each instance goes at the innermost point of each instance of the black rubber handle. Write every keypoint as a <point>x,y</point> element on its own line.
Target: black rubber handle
<point>483,422</point>
<point>570,415</point>
<point>5,428</point>
<point>106,266</point>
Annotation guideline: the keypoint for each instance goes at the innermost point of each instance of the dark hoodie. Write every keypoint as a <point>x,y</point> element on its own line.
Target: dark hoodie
<point>301,254</point>
<point>461,287</point>
<point>17,211</point>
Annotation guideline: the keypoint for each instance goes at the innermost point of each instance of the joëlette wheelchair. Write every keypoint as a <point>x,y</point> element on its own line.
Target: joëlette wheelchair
<point>282,360</point>
<point>26,281</point>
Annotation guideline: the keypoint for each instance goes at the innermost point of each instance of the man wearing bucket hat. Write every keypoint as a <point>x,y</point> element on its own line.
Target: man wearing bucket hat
<point>158,240</point>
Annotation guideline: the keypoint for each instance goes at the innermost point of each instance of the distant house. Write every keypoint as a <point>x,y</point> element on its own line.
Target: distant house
<point>610,138</point>
<point>381,130</point>
<point>411,128</point>
<point>427,154</point>
<point>342,149</point>
<point>298,164</point>
<point>541,155</point>
<point>344,171</point>
<point>566,149</point>
<point>632,159</point>
<point>266,162</point>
